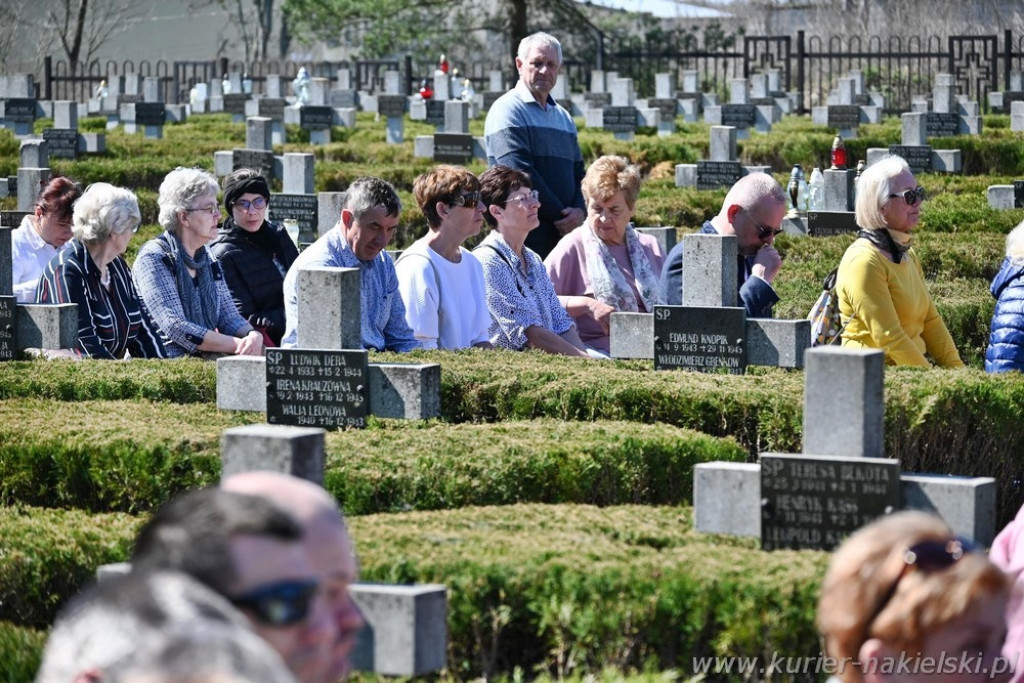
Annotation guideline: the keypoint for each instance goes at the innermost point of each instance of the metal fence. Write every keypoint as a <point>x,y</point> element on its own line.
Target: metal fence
<point>900,68</point>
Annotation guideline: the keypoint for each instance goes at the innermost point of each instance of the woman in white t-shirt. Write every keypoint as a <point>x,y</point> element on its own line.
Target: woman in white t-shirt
<point>441,283</point>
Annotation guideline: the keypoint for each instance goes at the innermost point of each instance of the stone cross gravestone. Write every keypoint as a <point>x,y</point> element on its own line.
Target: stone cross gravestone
<point>704,333</point>
<point>723,168</point>
<point>836,217</point>
<point>329,319</point>
<point>841,480</point>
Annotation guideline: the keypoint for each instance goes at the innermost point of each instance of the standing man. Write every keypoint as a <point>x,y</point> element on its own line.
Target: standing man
<point>527,130</point>
<point>366,226</point>
<point>752,211</point>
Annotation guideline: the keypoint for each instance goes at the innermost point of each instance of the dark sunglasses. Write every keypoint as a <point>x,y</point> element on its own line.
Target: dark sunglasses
<point>928,556</point>
<point>467,200</point>
<point>279,604</point>
<point>912,197</point>
<point>763,231</point>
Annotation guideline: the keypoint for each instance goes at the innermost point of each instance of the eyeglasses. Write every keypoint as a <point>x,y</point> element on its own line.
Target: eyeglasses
<point>523,199</point>
<point>212,210</point>
<point>912,197</point>
<point>928,556</point>
<point>245,205</point>
<point>136,228</point>
<point>467,200</point>
<point>763,231</point>
<point>279,604</point>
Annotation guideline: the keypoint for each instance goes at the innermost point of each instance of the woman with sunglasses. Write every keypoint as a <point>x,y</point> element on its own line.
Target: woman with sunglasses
<point>41,235</point>
<point>254,252</point>
<point>442,283</point>
<point>181,284</point>
<point>882,294</point>
<point>905,600</point>
<point>605,265</point>
<point>525,311</point>
<point>91,272</point>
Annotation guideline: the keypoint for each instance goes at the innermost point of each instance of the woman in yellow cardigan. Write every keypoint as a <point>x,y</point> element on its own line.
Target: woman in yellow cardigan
<point>882,294</point>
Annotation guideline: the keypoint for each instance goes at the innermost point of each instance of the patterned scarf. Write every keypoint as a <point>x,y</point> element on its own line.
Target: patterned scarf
<point>199,299</point>
<point>883,239</point>
<point>606,278</point>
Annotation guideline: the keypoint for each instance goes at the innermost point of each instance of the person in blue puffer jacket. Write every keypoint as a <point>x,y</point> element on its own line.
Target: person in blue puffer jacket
<point>1006,341</point>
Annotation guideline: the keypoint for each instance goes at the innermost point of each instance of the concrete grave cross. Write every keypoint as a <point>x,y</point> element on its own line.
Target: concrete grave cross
<point>841,480</point>
<point>709,297</point>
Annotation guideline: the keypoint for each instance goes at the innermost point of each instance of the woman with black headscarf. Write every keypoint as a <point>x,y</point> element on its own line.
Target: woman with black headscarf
<point>254,252</point>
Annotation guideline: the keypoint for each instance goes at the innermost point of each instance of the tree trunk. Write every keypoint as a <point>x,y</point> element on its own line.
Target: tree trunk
<point>516,24</point>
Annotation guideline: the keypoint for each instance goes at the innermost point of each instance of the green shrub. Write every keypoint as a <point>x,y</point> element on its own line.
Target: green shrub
<point>50,554</point>
<point>21,649</point>
<point>132,455</point>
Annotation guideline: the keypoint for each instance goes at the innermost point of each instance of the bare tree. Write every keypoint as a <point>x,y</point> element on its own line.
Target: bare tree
<point>10,20</point>
<point>254,20</point>
<point>83,26</point>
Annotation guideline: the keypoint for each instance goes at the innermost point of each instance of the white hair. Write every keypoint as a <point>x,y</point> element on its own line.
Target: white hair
<point>539,39</point>
<point>179,191</point>
<point>104,210</point>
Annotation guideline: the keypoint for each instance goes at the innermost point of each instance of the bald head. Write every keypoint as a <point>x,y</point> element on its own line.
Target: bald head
<point>325,539</point>
<point>303,499</point>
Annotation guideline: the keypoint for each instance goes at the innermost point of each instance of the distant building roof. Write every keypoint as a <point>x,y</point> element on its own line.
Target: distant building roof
<point>663,9</point>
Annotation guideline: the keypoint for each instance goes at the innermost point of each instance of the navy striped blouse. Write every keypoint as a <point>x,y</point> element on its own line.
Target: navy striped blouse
<point>109,322</point>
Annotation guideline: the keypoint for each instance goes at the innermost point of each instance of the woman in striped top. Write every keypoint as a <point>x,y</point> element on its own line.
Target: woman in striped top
<point>91,272</point>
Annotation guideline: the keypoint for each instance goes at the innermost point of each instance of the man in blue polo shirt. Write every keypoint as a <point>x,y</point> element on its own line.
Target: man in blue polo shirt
<point>527,130</point>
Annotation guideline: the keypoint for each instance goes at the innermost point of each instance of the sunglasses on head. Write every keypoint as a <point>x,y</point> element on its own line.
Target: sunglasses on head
<point>928,556</point>
<point>467,200</point>
<point>912,197</point>
<point>279,604</point>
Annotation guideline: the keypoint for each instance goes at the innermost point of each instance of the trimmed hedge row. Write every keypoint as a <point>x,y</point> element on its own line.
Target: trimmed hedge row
<point>49,554</point>
<point>562,589</point>
<point>762,410</point>
<point>131,456</point>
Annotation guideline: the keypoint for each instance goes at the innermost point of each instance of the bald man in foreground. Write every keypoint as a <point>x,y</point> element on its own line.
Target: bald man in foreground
<point>327,545</point>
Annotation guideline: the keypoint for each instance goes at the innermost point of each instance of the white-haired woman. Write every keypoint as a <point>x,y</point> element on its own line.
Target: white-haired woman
<point>180,282</point>
<point>882,295</point>
<point>91,272</point>
<point>1006,341</point>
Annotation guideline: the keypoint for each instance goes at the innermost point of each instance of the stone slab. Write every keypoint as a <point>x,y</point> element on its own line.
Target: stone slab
<point>405,390</point>
<point>727,500</point>
<point>844,403</point>
<point>298,451</point>
<point>406,632</point>
<point>47,326</point>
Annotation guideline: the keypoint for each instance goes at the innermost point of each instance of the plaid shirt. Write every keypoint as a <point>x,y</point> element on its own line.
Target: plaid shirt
<point>154,278</point>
